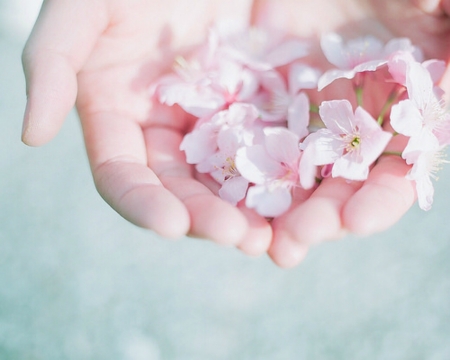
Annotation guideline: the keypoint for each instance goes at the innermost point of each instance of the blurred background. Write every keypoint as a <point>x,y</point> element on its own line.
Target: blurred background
<point>79,282</point>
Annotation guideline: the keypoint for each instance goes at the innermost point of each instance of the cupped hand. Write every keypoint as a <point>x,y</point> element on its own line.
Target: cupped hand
<point>103,55</point>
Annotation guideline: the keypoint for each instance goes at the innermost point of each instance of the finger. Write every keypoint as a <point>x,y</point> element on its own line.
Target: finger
<point>446,7</point>
<point>211,217</point>
<point>319,217</point>
<point>286,252</point>
<point>116,150</point>
<point>259,235</point>
<point>383,200</point>
<point>60,43</point>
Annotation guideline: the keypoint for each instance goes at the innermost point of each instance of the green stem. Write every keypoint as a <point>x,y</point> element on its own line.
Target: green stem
<point>314,108</point>
<point>396,153</point>
<point>390,100</point>
<point>359,95</point>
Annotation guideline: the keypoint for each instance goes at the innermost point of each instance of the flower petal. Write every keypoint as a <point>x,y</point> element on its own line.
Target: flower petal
<point>323,147</point>
<point>338,116</point>
<point>282,145</point>
<point>268,202</point>
<point>255,165</point>
<point>329,76</point>
<point>302,76</point>
<point>298,115</point>
<point>347,168</point>
<point>419,84</point>
<point>234,189</point>
<point>406,119</point>
<point>200,143</point>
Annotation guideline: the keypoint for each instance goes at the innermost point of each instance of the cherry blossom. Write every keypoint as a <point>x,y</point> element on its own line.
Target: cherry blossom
<point>359,55</point>
<point>258,136</point>
<point>222,166</point>
<point>273,169</point>
<point>422,116</point>
<point>281,101</point>
<point>351,141</point>
<point>261,49</point>
<point>426,164</point>
<point>204,91</point>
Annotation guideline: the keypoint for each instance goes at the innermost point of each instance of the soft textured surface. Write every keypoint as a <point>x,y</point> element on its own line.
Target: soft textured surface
<point>79,282</point>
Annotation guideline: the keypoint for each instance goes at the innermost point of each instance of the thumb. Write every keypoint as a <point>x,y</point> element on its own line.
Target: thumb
<point>61,41</point>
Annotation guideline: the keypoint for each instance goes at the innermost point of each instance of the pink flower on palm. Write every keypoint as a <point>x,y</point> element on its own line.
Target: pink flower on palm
<point>359,55</point>
<point>272,167</point>
<point>260,49</point>
<point>350,141</point>
<point>422,116</point>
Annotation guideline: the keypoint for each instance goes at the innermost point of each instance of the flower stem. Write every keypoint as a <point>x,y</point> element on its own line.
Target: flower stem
<point>390,100</point>
<point>359,95</point>
<point>314,108</point>
<point>395,153</point>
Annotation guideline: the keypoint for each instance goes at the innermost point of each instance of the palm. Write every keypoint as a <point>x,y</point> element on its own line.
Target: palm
<point>133,144</point>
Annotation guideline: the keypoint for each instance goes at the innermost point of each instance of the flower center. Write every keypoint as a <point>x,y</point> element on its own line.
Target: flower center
<point>436,117</point>
<point>352,142</point>
<point>229,169</point>
<point>434,163</point>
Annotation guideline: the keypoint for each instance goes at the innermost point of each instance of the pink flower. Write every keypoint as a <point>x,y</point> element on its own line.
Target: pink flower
<point>212,147</point>
<point>202,91</point>
<point>426,164</point>
<point>278,102</point>
<point>222,166</point>
<point>350,141</point>
<point>273,167</point>
<point>359,55</point>
<point>422,116</point>
<point>398,63</point>
<point>259,49</point>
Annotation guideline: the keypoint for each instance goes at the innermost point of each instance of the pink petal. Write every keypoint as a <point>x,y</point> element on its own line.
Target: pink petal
<point>419,84</point>
<point>196,100</point>
<point>323,147</point>
<point>365,122</point>
<point>282,145</point>
<point>337,115</point>
<point>307,169</point>
<point>200,143</point>
<point>436,68</point>
<point>424,187</point>
<point>355,52</point>
<point>369,65</point>
<point>402,45</point>
<point>406,119</point>
<point>286,52</point>
<point>332,46</point>
<point>298,115</point>
<point>424,141</point>
<point>234,189</point>
<point>254,164</point>
<point>328,77</point>
<point>347,168</point>
<point>373,145</point>
<point>302,77</point>
<point>268,202</point>
<point>397,65</point>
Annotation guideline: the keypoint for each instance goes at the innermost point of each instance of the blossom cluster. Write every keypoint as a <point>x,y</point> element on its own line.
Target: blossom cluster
<point>261,130</point>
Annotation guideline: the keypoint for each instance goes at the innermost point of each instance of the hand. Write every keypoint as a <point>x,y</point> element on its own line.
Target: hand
<point>103,54</point>
<point>338,207</point>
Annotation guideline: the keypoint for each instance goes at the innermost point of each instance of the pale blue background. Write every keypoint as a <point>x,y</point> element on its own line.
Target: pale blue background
<point>79,282</point>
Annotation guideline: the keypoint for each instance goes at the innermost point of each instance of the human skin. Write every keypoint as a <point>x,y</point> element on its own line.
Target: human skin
<point>102,55</point>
